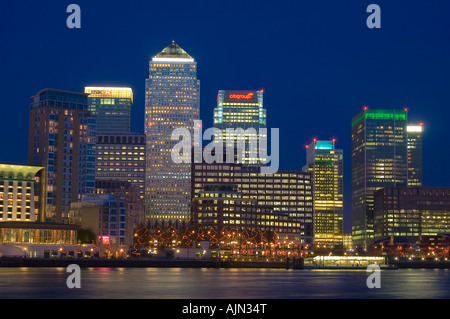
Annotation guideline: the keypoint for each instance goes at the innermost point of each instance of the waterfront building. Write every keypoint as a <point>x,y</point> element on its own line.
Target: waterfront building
<point>379,159</point>
<point>346,261</point>
<point>172,101</point>
<point>404,214</point>
<point>325,163</point>
<point>435,246</point>
<point>111,108</point>
<point>131,193</point>
<point>40,240</point>
<point>105,215</point>
<point>121,157</point>
<point>62,139</point>
<point>22,193</point>
<point>242,109</point>
<point>37,233</point>
<point>286,193</point>
<point>220,207</point>
<point>415,141</point>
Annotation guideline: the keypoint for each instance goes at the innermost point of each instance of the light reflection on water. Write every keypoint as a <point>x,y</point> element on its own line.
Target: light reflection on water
<point>209,283</point>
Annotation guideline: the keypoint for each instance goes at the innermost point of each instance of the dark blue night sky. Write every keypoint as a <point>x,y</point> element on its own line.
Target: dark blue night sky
<point>317,61</point>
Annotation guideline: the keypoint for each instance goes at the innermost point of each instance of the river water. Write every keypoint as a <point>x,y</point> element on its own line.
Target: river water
<point>212,283</point>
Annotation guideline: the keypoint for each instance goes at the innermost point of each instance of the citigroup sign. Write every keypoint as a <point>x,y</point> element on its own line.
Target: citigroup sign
<point>241,96</point>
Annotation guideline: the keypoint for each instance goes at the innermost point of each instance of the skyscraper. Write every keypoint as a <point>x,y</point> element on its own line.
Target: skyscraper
<point>242,110</point>
<point>172,100</point>
<point>62,139</point>
<point>111,107</point>
<point>325,163</point>
<point>415,137</point>
<point>379,159</point>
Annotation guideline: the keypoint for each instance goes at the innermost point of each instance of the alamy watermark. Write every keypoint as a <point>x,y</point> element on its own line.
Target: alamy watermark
<point>250,146</point>
<point>374,279</point>
<point>74,279</point>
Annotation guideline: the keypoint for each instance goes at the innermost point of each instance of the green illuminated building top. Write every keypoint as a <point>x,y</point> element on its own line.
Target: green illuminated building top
<point>397,115</point>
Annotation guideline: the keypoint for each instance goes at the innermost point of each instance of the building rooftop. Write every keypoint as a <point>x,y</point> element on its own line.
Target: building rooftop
<point>16,171</point>
<point>173,53</point>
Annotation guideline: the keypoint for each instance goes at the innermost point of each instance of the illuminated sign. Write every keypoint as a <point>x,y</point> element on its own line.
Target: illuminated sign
<point>241,96</point>
<point>414,128</point>
<point>104,240</point>
<point>100,92</point>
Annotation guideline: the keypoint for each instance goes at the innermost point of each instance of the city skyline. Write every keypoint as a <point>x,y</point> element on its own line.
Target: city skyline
<point>321,99</point>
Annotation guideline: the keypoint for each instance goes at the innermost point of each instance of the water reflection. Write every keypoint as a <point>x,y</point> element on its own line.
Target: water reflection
<point>182,283</point>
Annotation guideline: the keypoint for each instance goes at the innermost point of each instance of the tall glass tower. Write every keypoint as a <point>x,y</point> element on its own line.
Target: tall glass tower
<point>379,159</point>
<point>325,163</point>
<point>111,107</point>
<point>172,100</point>
<point>242,110</point>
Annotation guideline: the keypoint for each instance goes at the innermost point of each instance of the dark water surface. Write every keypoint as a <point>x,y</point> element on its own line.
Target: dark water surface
<point>211,283</point>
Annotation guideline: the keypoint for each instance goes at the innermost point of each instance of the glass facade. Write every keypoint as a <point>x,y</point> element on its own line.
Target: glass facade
<point>37,233</point>
<point>111,107</point>
<point>325,163</point>
<point>379,159</point>
<point>242,110</point>
<point>172,101</point>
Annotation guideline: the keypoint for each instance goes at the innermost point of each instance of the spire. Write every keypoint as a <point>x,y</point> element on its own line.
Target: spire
<point>173,53</point>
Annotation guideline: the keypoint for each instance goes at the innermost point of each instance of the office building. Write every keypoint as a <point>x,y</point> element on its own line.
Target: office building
<point>62,140</point>
<point>172,101</point>
<point>379,159</point>
<point>285,193</point>
<point>121,157</point>
<point>32,239</point>
<point>325,163</point>
<point>218,207</point>
<point>386,152</point>
<point>111,108</point>
<point>240,109</point>
<point>22,193</point>
<point>415,138</point>
<point>407,213</point>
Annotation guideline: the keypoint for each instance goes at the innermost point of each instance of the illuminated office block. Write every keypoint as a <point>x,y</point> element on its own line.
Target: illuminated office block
<point>379,159</point>
<point>242,110</point>
<point>111,107</point>
<point>172,100</point>
<point>325,163</point>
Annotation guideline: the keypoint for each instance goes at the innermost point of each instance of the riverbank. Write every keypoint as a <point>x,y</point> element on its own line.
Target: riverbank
<point>137,263</point>
<point>423,264</point>
<point>199,263</point>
